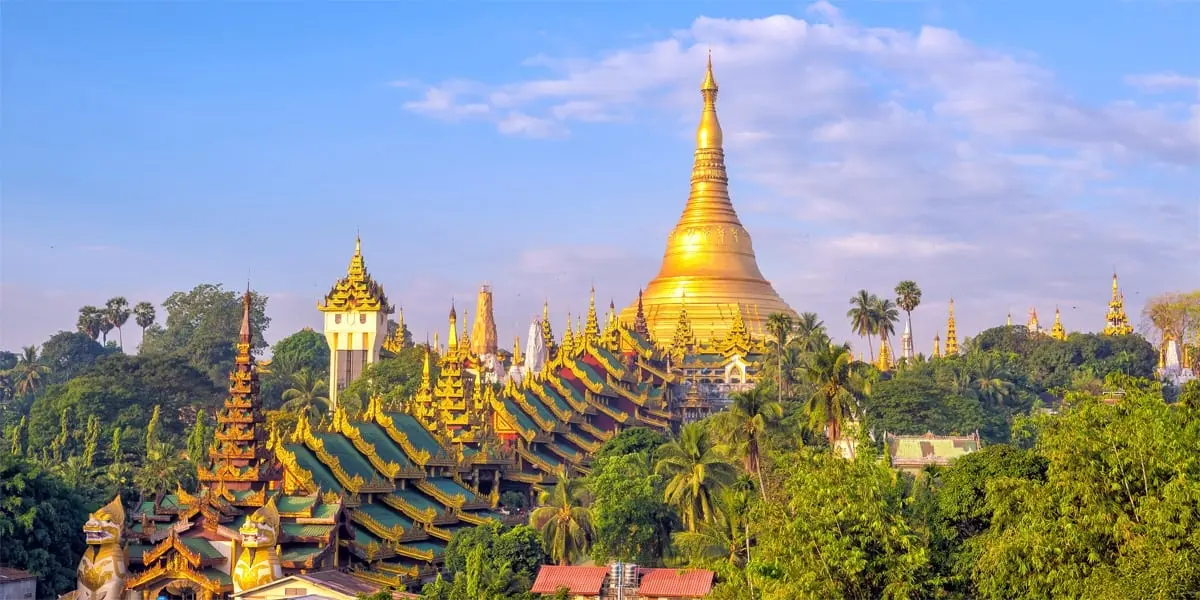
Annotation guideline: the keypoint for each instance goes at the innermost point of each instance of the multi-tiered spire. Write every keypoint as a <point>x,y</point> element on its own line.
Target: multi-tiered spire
<point>239,454</point>
<point>1058,332</point>
<point>709,255</point>
<point>639,318</point>
<point>951,333</point>
<point>591,329</point>
<point>356,291</point>
<point>1033,325</point>
<point>483,339</point>
<point>1116,321</point>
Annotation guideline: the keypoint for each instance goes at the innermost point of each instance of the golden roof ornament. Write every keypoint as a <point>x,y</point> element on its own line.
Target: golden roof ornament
<point>356,291</point>
<point>1116,322</point>
<point>1058,332</point>
<point>951,333</point>
<point>709,255</point>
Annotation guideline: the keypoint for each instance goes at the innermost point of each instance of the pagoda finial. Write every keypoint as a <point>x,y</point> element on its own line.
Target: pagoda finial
<point>426,380</point>
<point>1032,325</point>
<point>516,355</point>
<point>951,332</point>
<point>244,333</point>
<point>937,346</point>
<point>1116,321</point>
<point>1008,323</point>
<point>452,336</point>
<point>591,329</point>
<point>1058,332</point>
<point>639,319</point>
<point>568,335</point>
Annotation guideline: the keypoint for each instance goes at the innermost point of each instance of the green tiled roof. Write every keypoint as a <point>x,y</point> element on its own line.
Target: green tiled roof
<point>415,432</point>
<point>237,522</point>
<point>137,550</point>
<point>293,504</point>
<point>170,502</point>
<point>556,398</point>
<point>146,508</point>
<point>218,576</point>
<point>419,500</point>
<point>299,552</point>
<point>306,530</point>
<point>519,415</point>
<point>568,450</point>
<point>350,459</point>
<point>240,495</point>
<point>364,537</point>
<point>538,407</point>
<point>325,511</point>
<point>307,460</point>
<point>438,546</point>
<point>546,456</point>
<point>386,516</point>
<point>387,450</point>
<point>486,514</point>
<point>201,547</point>
<point>450,486</point>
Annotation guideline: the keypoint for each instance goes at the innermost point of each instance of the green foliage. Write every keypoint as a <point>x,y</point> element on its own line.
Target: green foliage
<point>1051,363</point>
<point>305,349</point>
<point>631,441</point>
<point>912,403</point>
<point>841,530</point>
<point>45,517</point>
<point>69,353</point>
<point>202,327</point>
<point>632,523</point>
<point>564,521</point>
<point>395,379</point>
<point>1117,514</point>
<point>490,562</point>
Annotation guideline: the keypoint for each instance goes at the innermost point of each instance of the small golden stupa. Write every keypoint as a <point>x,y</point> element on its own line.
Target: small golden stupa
<point>709,268</point>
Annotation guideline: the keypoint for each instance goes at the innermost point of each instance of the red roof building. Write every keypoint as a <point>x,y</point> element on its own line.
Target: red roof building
<point>598,583</point>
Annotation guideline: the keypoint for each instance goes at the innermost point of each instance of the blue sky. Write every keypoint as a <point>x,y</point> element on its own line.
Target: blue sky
<point>1007,154</point>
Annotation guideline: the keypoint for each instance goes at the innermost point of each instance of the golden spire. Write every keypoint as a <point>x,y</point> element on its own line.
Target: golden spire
<point>426,377</point>
<point>884,361</point>
<point>516,355</point>
<point>709,255</point>
<point>1032,324</point>
<point>568,335</point>
<point>547,331</point>
<point>452,337</point>
<point>465,339</point>
<point>1008,323</point>
<point>937,346</point>
<point>1116,321</point>
<point>1058,332</point>
<point>355,291</point>
<point>591,330</point>
<point>951,333</point>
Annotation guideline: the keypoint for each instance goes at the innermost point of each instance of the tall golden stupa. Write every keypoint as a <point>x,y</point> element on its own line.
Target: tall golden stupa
<point>709,268</point>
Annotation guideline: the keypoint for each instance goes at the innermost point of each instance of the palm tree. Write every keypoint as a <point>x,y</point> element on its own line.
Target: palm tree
<point>27,375</point>
<point>566,525</point>
<point>143,313</point>
<point>991,381</point>
<point>780,326</point>
<point>749,415</point>
<point>695,472</point>
<point>862,317</point>
<point>809,329</point>
<point>305,394</point>
<point>723,538</point>
<point>837,388</point>
<point>90,321</point>
<point>116,312</point>
<point>885,316</point>
<point>908,298</point>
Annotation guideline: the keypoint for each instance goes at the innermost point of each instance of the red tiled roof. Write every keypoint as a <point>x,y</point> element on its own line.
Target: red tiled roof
<point>675,583</point>
<point>584,581</point>
<point>8,574</point>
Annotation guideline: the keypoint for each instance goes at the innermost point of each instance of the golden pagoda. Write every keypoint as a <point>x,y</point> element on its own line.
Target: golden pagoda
<point>1058,332</point>
<point>1116,321</point>
<point>951,333</point>
<point>709,256</point>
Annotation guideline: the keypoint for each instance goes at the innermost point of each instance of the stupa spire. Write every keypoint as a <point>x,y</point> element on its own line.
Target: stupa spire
<point>484,340</point>
<point>937,346</point>
<point>639,319</point>
<point>709,255</point>
<point>591,329</point>
<point>1058,332</point>
<point>1116,321</point>
<point>452,336</point>
<point>951,332</point>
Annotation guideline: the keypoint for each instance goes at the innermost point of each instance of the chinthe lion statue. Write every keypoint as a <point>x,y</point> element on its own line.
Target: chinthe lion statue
<point>258,563</point>
<point>102,570</point>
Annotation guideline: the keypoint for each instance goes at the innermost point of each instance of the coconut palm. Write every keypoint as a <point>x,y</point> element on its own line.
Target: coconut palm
<point>564,522</point>
<point>862,317</point>
<point>908,298</point>
<point>750,414</point>
<point>780,326</point>
<point>695,473</point>
<point>305,394</point>
<point>810,329</point>
<point>837,388</point>
<point>885,316</point>
<point>723,538</point>
<point>29,371</point>
<point>991,381</point>
<point>143,314</point>
<point>90,321</point>
<point>116,312</point>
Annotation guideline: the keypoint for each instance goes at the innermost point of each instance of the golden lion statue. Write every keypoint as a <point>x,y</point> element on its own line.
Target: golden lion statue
<point>258,563</point>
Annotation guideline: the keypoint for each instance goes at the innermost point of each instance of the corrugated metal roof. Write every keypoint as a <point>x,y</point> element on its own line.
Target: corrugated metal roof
<point>584,581</point>
<point>675,583</point>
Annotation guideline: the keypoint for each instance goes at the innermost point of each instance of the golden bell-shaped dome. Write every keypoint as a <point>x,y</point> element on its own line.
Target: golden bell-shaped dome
<point>709,265</point>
